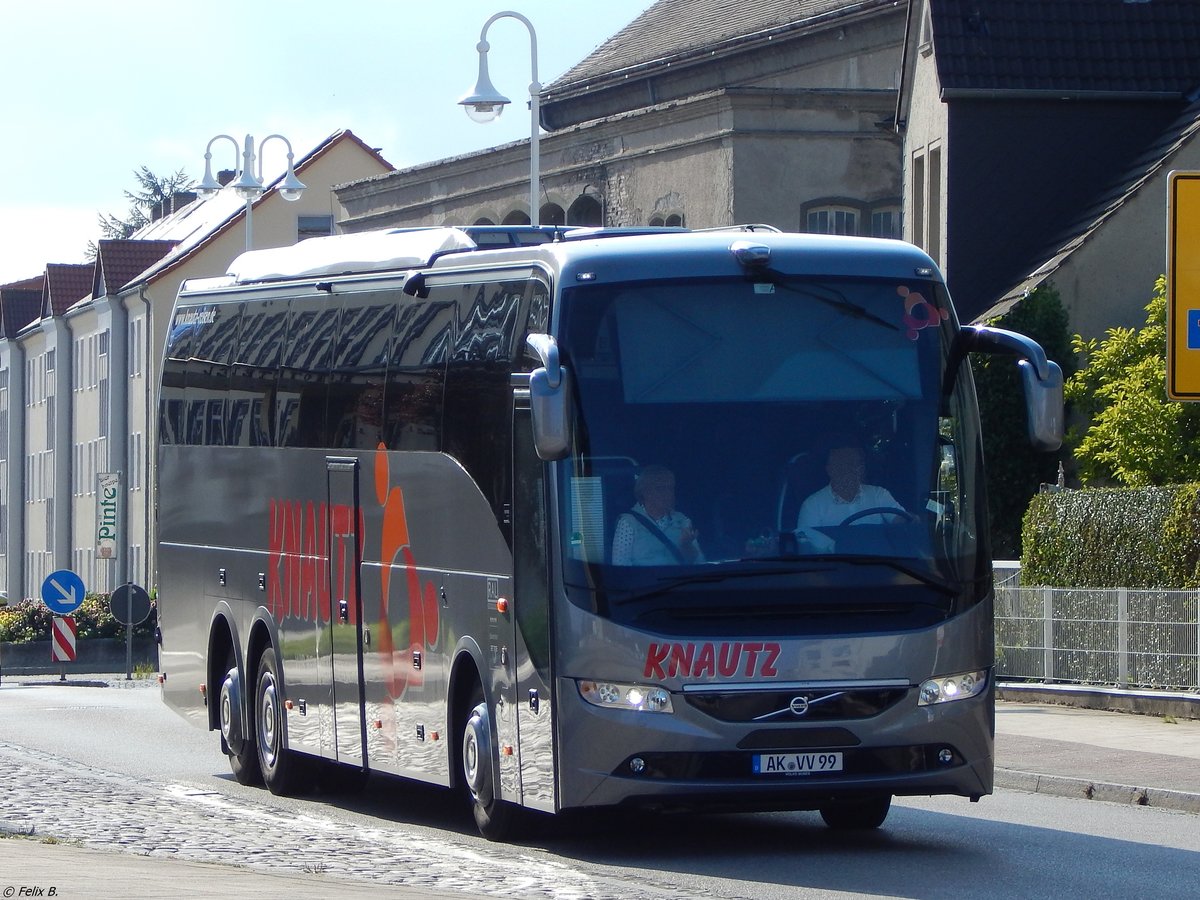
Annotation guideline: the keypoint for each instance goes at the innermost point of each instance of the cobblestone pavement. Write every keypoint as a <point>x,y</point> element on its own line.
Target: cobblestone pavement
<point>54,796</point>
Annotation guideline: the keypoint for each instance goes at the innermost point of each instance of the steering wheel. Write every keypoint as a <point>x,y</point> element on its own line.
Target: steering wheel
<point>876,511</point>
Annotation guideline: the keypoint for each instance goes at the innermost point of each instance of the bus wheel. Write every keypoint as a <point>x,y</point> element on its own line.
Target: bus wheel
<point>860,814</point>
<point>281,768</point>
<point>494,818</point>
<point>239,747</point>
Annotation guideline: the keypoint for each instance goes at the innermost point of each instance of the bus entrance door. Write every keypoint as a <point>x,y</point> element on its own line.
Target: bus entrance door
<point>345,661</point>
<point>531,594</point>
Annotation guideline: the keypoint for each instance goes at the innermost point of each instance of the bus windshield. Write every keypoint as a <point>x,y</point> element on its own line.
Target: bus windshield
<point>745,443</point>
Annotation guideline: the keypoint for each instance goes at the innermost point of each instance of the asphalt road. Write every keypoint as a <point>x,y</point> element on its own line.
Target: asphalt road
<point>112,767</point>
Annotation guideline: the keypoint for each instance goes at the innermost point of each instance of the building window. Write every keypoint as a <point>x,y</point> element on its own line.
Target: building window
<point>933,245</point>
<point>831,220</point>
<point>918,200</point>
<point>135,347</point>
<point>885,222</point>
<point>313,226</point>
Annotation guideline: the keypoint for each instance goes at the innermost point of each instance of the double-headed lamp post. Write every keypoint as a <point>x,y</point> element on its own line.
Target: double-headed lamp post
<point>249,184</point>
<point>485,103</point>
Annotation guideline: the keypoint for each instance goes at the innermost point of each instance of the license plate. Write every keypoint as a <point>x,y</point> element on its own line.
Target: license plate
<point>796,763</point>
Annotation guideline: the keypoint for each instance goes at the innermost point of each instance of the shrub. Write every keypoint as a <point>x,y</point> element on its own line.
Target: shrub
<point>1114,537</point>
<point>30,620</point>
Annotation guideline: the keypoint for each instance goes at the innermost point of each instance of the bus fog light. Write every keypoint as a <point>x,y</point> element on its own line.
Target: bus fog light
<point>636,697</point>
<point>637,765</point>
<point>946,688</point>
<point>945,756</point>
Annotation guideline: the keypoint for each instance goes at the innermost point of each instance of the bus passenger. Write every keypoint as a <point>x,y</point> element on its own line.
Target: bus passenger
<point>654,533</point>
<point>845,495</point>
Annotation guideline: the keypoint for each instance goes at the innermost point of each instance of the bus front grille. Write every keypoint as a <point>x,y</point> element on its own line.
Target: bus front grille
<point>804,705</point>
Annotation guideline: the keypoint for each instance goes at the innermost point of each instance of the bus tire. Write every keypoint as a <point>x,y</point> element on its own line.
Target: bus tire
<point>495,818</point>
<point>858,814</point>
<point>243,761</point>
<point>282,769</point>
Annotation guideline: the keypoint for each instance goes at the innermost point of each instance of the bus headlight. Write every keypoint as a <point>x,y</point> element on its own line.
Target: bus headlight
<point>945,688</point>
<point>616,695</point>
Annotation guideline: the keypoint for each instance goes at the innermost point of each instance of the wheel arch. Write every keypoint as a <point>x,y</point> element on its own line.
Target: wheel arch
<point>466,672</point>
<point>223,642</point>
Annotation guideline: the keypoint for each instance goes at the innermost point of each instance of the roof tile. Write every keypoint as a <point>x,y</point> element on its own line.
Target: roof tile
<point>1068,45</point>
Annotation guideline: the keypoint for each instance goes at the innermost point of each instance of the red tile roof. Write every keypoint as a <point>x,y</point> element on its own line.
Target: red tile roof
<point>121,261</point>
<point>65,286</point>
<point>20,304</point>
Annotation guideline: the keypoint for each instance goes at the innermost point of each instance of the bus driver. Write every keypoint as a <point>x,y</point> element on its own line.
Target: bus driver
<point>845,495</point>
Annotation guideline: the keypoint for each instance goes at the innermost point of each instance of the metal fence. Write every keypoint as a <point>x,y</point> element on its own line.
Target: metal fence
<point>1099,636</point>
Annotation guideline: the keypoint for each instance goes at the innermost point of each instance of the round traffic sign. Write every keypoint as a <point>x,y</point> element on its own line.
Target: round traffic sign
<point>129,604</point>
<point>63,592</point>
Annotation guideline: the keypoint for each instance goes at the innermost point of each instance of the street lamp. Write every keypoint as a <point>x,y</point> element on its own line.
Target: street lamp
<point>485,103</point>
<point>249,185</point>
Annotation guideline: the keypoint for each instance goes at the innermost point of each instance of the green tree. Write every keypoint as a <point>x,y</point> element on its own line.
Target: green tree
<point>1133,435</point>
<point>150,192</point>
<point>1014,469</point>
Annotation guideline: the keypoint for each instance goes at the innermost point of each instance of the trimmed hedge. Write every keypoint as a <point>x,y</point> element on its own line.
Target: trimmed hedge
<point>1113,537</point>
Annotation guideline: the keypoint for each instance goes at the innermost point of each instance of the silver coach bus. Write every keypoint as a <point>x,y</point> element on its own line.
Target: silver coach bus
<point>403,480</point>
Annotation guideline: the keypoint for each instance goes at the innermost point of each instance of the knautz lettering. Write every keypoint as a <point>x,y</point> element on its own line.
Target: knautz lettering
<point>749,659</point>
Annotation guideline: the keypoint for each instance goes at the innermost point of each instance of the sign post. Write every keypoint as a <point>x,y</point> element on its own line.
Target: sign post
<point>1183,286</point>
<point>129,605</point>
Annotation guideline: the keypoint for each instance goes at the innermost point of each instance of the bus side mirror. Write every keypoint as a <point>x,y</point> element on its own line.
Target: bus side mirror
<point>1041,377</point>
<point>549,396</point>
<point>1043,405</point>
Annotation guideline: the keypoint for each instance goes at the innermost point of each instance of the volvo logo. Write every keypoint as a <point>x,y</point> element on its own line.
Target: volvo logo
<point>798,706</point>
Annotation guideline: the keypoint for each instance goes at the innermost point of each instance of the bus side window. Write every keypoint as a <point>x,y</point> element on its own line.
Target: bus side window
<point>304,372</point>
<point>171,399</point>
<point>206,382</point>
<point>416,374</point>
<point>478,393</point>
<point>356,385</point>
<point>254,374</point>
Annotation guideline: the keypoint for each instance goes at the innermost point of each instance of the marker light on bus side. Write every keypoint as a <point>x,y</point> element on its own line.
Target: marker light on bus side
<point>945,688</point>
<point>637,697</point>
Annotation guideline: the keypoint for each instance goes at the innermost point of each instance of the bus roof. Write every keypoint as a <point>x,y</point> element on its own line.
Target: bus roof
<point>580,254</point>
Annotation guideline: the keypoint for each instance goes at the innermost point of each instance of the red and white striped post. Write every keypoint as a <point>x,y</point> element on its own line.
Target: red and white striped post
<point>62,643</point>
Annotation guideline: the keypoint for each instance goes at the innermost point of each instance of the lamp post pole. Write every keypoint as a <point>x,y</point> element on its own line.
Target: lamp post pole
<point>485,103</point>
<point>249,184</point>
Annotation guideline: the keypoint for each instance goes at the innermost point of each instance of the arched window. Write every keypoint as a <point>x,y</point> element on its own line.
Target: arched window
<point>675,220</point>
<point>585,211</point>
<point>552,214</point>
<point>483,220</point>
<point>516,217</point>
<point>657,222</point>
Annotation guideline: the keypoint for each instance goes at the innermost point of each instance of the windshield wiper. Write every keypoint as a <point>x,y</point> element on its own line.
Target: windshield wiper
<point>834,299</point>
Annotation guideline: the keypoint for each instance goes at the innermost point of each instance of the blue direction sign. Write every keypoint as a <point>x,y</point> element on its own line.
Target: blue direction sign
<point>62,592</point>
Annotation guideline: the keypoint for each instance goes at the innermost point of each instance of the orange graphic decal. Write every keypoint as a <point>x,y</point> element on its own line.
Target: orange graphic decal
<point>919,313</point>
<point>423,614</point>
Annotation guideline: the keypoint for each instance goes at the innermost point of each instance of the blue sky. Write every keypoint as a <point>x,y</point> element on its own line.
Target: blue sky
<point>91,91</point>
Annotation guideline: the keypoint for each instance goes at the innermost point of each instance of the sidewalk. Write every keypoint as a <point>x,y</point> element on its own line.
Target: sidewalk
<point>1150,760</point>
<point>69,871</point>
